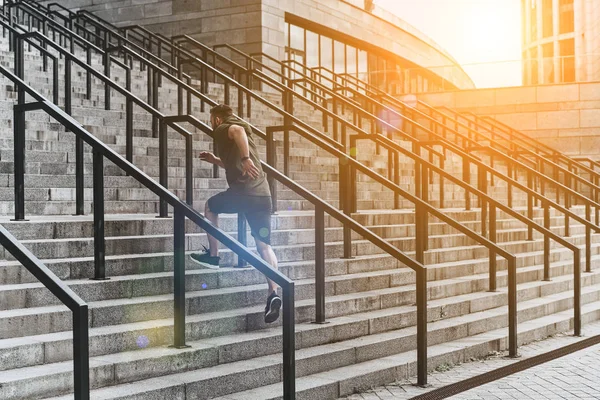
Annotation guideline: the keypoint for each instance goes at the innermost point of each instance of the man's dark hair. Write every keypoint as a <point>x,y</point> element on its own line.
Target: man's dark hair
<point>221,111</point>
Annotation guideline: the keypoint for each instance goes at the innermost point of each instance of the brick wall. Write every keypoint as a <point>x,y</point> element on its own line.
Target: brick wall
<point>566,117</point>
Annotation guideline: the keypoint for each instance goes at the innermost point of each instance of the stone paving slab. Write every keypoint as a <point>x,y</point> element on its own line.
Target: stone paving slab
<point>575,376</point>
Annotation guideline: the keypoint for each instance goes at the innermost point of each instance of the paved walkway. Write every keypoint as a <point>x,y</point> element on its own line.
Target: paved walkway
<point>575,376</point>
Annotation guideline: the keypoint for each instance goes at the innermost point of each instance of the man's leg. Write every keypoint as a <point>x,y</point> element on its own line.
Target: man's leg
<point>266,252</point>
<point>213,243</point>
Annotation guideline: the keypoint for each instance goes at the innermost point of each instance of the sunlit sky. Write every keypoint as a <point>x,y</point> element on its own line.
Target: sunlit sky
<point>484,36</point>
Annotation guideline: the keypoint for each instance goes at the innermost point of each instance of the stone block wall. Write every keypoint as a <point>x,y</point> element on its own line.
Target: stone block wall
<point>566,116</point>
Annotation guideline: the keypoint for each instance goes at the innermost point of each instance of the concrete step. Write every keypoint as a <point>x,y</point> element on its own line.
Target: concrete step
<point>397,338</point>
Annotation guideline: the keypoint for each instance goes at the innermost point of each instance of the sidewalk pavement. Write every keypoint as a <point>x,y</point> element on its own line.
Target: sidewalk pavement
<point>575,376</point>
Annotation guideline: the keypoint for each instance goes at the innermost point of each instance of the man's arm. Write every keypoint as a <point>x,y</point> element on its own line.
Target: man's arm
<point>238,135</point>
<point>211,158</point>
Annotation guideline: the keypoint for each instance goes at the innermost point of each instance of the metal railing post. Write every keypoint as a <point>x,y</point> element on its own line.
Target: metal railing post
<point>179,279</point>
<point>88,75</point>
<point>106,60</point>
<point>163,166</point>
<point>81,359</point>
<point>19,135</point>
<point>189,170</point>
<point>588,240</point>
<point>319,265</point>
<point>421,293</point>
<point>99,241</point>
<point>546,241</point>
<point>492,254</point>
<point>577,292</point>
<point>272,161</point>
<point>242,236</point>
<point>289,344</point>
<point>512,307</point>
<point>128,120</point>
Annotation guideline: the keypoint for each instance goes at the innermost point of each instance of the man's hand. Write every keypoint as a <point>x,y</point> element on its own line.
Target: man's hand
<point>208,157</point>
<point>249,169</point>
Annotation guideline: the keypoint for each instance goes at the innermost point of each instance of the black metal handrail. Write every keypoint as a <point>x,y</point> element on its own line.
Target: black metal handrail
<point>494,145</point>
<point>552,155</point>
<point>374,92</point>
<point>484,198</point>
<point>465,156</point>
<point>296,129</point>
<point>362,231</point>
<point>181,211</point>
<point>131,99</point>
<point>516,151</point>
<point>79,308</point>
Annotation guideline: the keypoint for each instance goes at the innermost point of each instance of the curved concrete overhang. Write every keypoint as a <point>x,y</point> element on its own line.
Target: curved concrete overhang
<point>382,29</point>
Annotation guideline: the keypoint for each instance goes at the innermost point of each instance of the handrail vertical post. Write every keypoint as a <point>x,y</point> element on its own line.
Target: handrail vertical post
<point>179,89</point>
<point>99,241</point>
<point>289,344</point>
<point>421,294</point>
<point>88,74</point>
<point>242,235</point>
<point>155,121</point>
<point>577,292</point>
<point>179,279</point>
<point>272,161</point>
<point>19,135</point>
<point>588,240</point>
<point>396,178</point>
<point>512,307</point>
<point>81,360</point>
<point>345,199</point>
<point>442,195</point>
<point>128,120</point>
<point>106,60</point>
<point>79,172</point>
<point>467,180</point>
<point>55,83</point>
<point>163,166</point>
<point>319,265</point>
<point>491,253</point>
<point>189,170</point>
<point>546,242</point>
<point>530,201</point>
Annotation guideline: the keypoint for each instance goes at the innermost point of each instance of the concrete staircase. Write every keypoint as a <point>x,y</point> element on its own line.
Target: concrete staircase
<point>371,336</point>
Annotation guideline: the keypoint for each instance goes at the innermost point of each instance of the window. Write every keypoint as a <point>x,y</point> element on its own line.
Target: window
<point>548,62</point>
<point>339,54</point>
<point>566,22</point>
<point>534,65</point>
<point>567,60</point>
<point>363,66</point>
<point>533,21</point>
<point>312,49</point>
<point>547,19</point>
<point>326,53</point>
<point>351,57</point>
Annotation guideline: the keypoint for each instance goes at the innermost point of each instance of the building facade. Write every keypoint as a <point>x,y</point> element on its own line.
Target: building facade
<point>344,36</point>
<point>561,41</point>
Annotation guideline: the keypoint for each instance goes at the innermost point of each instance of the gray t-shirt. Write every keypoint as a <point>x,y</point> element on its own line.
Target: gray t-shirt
<point>229,153</point>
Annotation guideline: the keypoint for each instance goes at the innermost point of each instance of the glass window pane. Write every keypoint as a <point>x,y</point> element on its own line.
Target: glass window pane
<point>297,38</point>
<point>351,67</point>
<point>340,57</point>
<point>312,49</point>
<point>363,66</point>
<point>326,52</point>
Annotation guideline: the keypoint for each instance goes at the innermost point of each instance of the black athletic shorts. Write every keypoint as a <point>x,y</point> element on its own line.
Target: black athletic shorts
<point>256,209</point>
